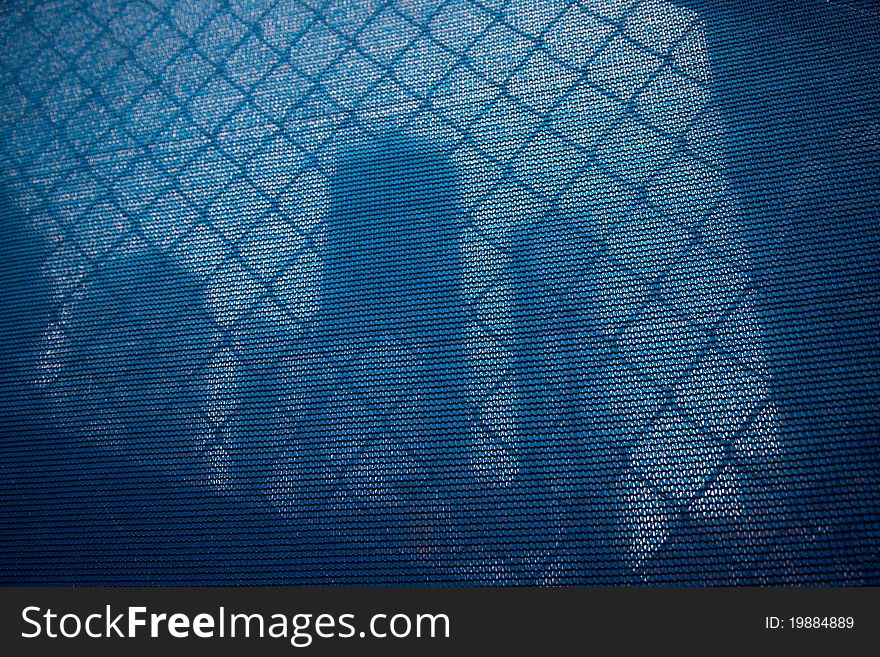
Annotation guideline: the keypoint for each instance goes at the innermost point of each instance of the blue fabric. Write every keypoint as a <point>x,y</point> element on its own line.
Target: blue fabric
<point>439,291</point>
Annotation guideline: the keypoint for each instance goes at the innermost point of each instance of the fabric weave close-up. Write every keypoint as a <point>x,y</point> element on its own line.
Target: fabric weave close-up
<point>439,291</point>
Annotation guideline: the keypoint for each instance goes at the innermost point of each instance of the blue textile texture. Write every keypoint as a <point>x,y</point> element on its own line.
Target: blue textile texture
<point>439,291</point>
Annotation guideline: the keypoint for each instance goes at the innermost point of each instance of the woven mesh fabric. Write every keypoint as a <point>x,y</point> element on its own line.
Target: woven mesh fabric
<point>447,291</point>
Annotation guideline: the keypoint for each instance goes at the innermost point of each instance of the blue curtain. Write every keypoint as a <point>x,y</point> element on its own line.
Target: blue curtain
<point>439,291</point>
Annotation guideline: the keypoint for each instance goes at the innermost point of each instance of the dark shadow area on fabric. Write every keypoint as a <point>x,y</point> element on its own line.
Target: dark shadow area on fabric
<point>25,309</point>
<point>573,457</point>
<point>372,408</point>
<point>116,485</point>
